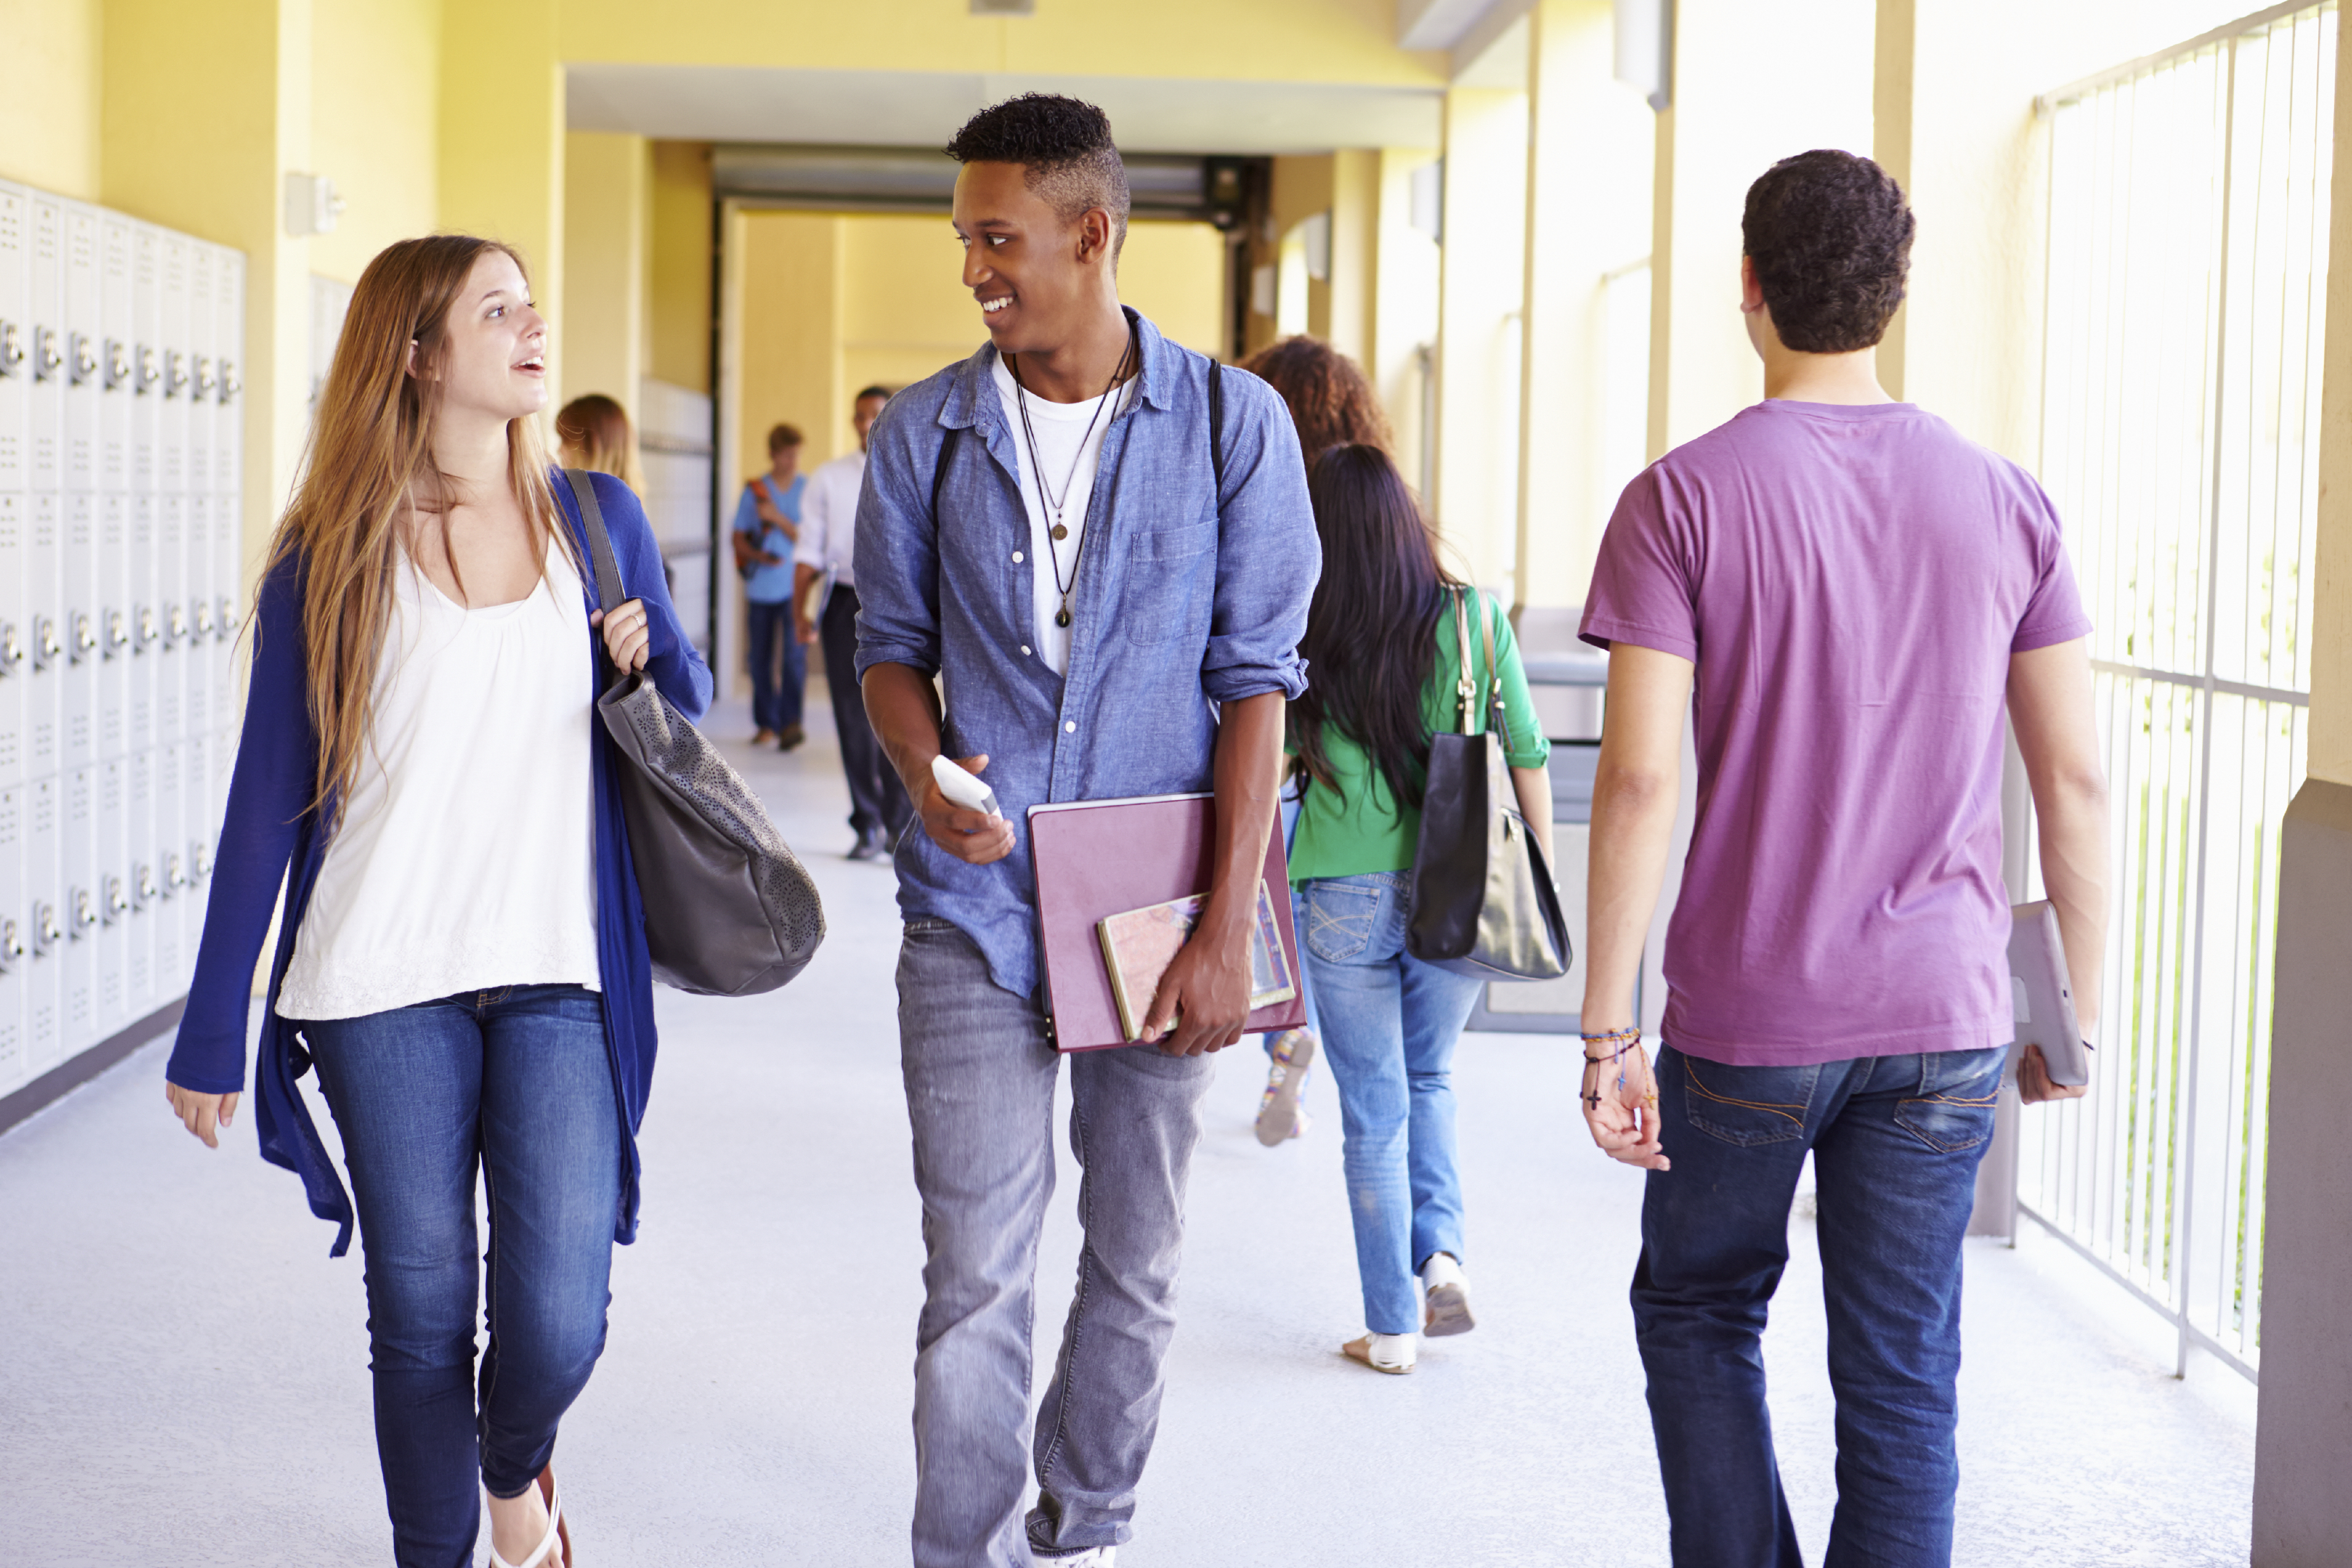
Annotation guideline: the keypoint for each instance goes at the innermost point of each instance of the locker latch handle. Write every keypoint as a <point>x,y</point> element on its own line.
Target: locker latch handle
<point>118,635</point>
<point>228,619</point>
<point>200,862</point>
<point>85,637</point>
<point>143,886</point>
<point>47,358</point>
<point>117,363</point>
<point>203,377</point>
<point>12,648</point>
<point>85,912</point>
<point>116,905</point>
<point>175,628</point>
<point>147,631</point>
<point>175,877</point>
<point>151,370</point>
<point>12,348</point>
<point>46,646</point>
<point>12,944</point>
<point>46,932</point>
<point>204,619</point>
<point>175,374</point>
<point>85,358</point>
<point>229,384</point>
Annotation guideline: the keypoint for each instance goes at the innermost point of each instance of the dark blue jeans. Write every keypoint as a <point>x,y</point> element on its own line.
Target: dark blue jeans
<point>776,693</point>
<point>1896,1141</point>
<point>518,1081</point>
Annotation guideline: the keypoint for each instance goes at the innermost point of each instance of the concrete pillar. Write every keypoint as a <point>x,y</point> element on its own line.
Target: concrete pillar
<point>1750,89</point>
<point>1588,211</point>
<point>1401,358</point>
<point>2302,1511</point>
<point>1482,272</point>
<point>1353,288</point>
<point>252,59</point>
<point>502,143</point>
<point>605,182</point>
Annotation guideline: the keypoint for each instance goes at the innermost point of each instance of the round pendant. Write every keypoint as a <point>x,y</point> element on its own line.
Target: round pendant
<point>1062,617</point>
<point>1060,531</point>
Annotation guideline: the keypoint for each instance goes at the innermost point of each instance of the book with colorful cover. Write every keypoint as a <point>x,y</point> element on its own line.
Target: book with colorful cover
<point>1138,946</point>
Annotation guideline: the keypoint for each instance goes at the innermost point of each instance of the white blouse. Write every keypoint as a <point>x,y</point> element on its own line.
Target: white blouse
<point>465,859</point>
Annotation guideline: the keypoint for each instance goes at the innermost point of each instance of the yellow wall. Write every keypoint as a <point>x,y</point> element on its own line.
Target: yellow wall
<point>374,104</point>
<point>1476,504</point>
<point>677,310</point>
<point>607,237</point>
<point>49,114</point>
<point>501,139</point>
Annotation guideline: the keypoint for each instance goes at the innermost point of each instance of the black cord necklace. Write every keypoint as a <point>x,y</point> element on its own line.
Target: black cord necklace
<point>1060,506</point>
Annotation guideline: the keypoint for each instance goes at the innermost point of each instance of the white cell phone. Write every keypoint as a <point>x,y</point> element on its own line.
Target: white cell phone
<point>2044,996</point>
<point>962,788</point>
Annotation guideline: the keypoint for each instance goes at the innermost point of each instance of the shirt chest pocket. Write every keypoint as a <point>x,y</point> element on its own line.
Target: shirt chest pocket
<point>1171,583</point>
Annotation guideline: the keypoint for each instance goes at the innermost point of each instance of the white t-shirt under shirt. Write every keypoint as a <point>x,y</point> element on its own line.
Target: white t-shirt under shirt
<point>1065,447</point>
<point>465,855</point>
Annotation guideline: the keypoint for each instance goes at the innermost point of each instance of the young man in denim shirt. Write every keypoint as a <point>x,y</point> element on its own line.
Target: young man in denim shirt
<point>1854,593</point>
<point>1109,620</point>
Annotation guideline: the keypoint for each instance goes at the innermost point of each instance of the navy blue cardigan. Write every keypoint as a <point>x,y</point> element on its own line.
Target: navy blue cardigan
<point>271,835</point>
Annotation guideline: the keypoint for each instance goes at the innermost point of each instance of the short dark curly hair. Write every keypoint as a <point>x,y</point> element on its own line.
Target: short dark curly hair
<point>1830,236</point>
<point>1065,149</point>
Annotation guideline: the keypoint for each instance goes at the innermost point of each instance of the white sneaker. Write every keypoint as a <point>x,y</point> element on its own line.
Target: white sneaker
<point>1445,1297</point>
<point>1392,1353</point>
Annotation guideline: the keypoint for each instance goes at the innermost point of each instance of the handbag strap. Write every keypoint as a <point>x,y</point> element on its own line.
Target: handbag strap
<point>600,548</point>
<point>1501,720</point>
<point>1465,683</point>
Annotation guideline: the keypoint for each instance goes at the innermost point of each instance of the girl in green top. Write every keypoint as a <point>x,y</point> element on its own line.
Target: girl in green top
<point>1382,671</point>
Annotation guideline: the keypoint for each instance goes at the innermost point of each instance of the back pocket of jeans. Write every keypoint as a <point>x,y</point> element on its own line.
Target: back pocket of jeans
<point>1748,1105</point>
<point>1951,1117</point>
<point>1340,914</point>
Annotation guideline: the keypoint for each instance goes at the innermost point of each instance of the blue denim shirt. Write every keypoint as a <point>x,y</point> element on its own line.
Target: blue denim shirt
<point>1185,598</point>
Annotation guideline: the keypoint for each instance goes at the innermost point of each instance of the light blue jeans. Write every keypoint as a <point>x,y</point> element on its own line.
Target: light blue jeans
<point>1389,1024</point>
<point>979,1069</point>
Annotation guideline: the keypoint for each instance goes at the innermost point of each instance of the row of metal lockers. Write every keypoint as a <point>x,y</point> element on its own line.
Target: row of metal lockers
<point>121,432</point>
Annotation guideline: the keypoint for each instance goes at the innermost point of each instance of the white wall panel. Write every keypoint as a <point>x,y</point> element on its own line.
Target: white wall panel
<point>44,635</point>
<point>110,595</point>
<point>15,664</point>
<point>168,651</point>
<point>145,632</point>
<point>118,347</point>
<point>174,956</point>
<point>146,353</point>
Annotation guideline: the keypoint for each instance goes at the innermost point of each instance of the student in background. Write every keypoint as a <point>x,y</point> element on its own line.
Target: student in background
<point>1854,593</point>
<point>463,951</point>
<point>593,433</point>
<point>1386,664</point>
<point>825,606</point>
<point>767,527</point>
<point>1331,404</point>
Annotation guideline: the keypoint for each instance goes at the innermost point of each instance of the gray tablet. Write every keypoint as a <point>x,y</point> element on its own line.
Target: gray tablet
<point>2044,996</point>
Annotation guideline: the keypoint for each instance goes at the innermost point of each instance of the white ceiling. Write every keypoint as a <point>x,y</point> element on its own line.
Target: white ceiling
<point>923,108</point>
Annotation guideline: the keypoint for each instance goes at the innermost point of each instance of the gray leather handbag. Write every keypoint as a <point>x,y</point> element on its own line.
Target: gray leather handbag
<point>1482,899</point>
<point>730,910</point>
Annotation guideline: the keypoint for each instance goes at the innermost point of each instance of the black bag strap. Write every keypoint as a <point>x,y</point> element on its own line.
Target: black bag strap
<point>600,548</point>
<point>939,471</point>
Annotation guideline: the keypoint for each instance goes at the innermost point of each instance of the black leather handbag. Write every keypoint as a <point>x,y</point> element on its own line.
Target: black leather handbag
<point>730,910</point>
<point>1482,899</point>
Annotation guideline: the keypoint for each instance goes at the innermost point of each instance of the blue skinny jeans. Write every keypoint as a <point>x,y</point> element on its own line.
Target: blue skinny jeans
<point>1896,1141</point>
<point>1389,1022</point>
<point>515,1081</point>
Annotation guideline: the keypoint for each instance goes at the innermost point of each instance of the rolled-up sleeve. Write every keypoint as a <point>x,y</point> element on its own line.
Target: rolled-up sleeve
<point>1268,557</point>
<point>895,556</point>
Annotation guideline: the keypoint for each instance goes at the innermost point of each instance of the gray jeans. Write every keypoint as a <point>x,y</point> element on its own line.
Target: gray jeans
<point>980,1073</point>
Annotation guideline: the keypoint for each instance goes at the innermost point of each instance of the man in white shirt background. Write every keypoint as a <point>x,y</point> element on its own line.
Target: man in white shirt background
<point>824,594</point>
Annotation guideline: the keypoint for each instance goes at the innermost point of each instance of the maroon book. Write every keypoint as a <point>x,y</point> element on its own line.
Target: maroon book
<point>1097,858</point>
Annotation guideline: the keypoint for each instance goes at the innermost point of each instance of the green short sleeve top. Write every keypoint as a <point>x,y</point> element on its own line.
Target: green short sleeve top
<point>1361,827</point>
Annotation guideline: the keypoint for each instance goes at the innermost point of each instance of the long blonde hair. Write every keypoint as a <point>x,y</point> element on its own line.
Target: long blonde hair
<point>597,428</point>
<point>367,462</point>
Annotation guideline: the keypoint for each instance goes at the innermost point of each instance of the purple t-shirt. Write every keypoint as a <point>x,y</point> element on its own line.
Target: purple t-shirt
<point>1851,582</point>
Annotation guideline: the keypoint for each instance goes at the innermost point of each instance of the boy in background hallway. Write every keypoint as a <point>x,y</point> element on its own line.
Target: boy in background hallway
<point>767,526</point>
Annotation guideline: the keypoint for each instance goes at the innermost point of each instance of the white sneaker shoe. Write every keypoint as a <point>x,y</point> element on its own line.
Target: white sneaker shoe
<point>1445,1297</point>
<point>1392,1353</point>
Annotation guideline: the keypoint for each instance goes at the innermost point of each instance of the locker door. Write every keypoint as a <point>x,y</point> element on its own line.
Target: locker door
<point>15,336</point>
<point>204,379</point>
<point>171,875</point>
<point>80,319</point>
<point>45,340</point>
<point>45,926</point>
<point>109,597</point>
<point>201,809</point>
<point>77,672</point>
<point>45,647</point>
<point>146,353</point>
<point>142,632</point>
<point>170,607</point>
<point>78,847</point>
<point>15,949</point>
<point>116,347</point>
<point>139,877</point>
<point>171,339</point>
<point>16,665</point>
<point>109,859</point>
<point>229,412</point>
<point>194,610</point>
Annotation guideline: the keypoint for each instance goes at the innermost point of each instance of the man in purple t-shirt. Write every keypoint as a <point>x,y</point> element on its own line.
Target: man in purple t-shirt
<point>1842,593</point>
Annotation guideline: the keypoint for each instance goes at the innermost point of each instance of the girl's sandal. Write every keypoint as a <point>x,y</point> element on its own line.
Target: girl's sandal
<point>556,1535</point>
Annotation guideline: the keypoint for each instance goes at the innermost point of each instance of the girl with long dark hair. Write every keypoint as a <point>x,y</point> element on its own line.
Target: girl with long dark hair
<point>463,954</point>
<point>1381,643</point>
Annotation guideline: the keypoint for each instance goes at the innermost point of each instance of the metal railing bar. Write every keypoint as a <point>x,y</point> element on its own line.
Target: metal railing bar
<point>2232,688</point>
<point>2153,1303</point>
<point>2049,102</point>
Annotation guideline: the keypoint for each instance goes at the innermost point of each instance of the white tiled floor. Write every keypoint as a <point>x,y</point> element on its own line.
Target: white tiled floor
<point>182,1372</point>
